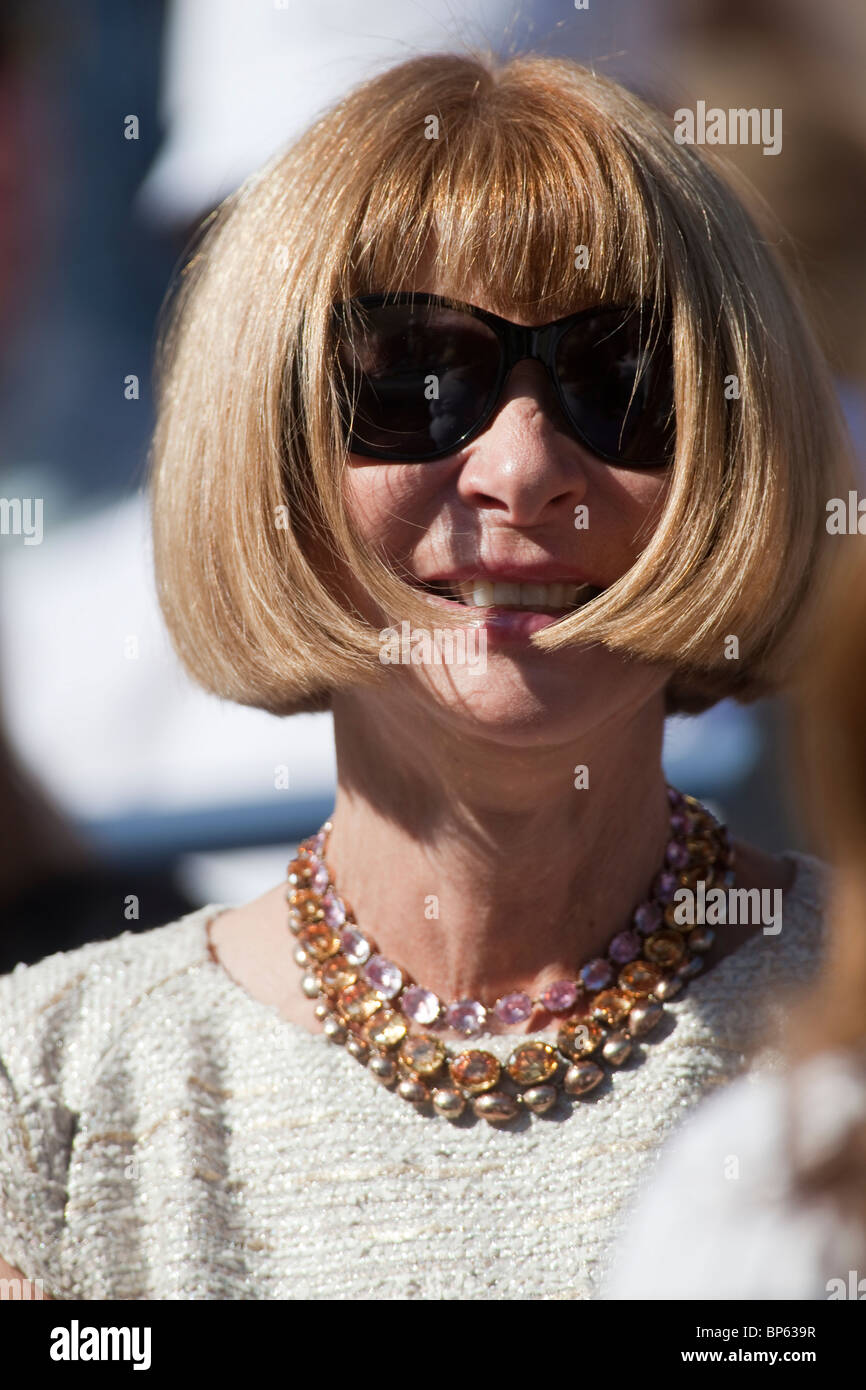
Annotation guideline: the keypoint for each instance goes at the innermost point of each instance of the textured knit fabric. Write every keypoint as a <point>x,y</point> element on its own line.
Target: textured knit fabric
<point>734,1226</point>
<point>163,1135</point>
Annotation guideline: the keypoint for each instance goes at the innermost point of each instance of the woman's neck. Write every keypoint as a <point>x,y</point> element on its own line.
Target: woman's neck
<point>482,868</point>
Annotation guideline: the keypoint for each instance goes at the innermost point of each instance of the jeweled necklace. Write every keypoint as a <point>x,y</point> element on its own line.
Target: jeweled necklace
<point>367,1003</point>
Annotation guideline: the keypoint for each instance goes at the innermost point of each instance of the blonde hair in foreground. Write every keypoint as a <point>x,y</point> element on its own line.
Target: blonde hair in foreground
<point>829,1014</point>
<point>534,158</point>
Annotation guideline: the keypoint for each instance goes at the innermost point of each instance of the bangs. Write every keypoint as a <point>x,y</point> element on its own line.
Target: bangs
<point>538,205</point>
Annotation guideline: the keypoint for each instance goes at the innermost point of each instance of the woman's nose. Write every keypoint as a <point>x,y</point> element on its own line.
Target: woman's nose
<point>526,462</point>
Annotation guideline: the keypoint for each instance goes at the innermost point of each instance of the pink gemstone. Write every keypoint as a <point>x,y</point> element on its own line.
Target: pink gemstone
<point>677,855</point>
<point>596,974</point>
<point>646,918</point>
<point>664,886</point>
<point>320,880</point>
<point>626,946</point>
<point>354,945</point>
<point>466,1016</point>
<point>335,912</point>
<point>384,976</point>
<point>421,1005</point>
<point>513,1008</point>
<point>559,996</point>
<point>680,823</point>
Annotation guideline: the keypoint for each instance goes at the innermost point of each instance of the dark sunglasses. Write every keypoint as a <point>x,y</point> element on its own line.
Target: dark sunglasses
<point>421,376</point>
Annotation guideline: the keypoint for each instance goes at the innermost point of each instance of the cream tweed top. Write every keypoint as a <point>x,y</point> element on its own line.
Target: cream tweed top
<point>163,1135</point>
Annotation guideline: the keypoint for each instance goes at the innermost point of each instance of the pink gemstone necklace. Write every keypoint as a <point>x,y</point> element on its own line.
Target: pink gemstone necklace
<point>367,1002</point>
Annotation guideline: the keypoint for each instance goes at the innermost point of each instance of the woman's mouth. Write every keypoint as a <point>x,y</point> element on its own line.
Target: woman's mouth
<point>511,609</point>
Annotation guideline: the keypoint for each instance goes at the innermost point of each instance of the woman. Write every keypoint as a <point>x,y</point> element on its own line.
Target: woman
<point>620,516</point>
<point>770,1177</point>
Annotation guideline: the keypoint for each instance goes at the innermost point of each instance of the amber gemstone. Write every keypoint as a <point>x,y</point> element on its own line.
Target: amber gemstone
<point>674,916</point>
<point>336,974</point>
<point>611,1005</point>
<point>640,977</point>
<point>358,1001</point>
<point>300,872</point>
<point>700,849</point>
<point>319,940</point>
<point>306,903</point>
<point>532,1063</point>
<point>578,1037</point>
<point>474,1070</point>
<point>665,947</point>
<point>385,1028</point>
<point>690,878</point>
<point>423,1055</point>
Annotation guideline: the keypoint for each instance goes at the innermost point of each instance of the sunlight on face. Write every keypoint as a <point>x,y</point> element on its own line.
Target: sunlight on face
<point>502,510</point>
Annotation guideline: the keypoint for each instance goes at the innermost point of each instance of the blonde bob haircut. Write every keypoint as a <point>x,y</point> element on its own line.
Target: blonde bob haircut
<point>533,159</point>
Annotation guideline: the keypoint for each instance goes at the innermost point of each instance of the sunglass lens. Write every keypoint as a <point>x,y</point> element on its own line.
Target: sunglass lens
<point>418,378</point>
<point>618,394</point>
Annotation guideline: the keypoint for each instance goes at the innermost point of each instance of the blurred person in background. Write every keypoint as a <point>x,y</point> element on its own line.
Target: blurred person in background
<point>808,61</point>
<point>762,1192</point>
<point>55,892</point>
<point>307,489</point>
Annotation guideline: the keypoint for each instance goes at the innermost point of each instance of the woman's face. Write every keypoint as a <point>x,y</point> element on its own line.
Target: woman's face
<point>503,510</point>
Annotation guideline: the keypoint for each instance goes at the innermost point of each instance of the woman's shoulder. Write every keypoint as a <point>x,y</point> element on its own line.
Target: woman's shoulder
<point>809,893</point>
<point>783,927</point>
<point>59,1020</point>
<point>794,922</point>
<point>58,1015</point>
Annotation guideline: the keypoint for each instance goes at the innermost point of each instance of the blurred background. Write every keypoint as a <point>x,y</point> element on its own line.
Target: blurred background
<point>127,796</point>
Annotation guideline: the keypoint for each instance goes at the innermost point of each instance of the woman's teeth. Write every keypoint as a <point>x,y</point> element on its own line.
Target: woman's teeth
<point>481,593</point>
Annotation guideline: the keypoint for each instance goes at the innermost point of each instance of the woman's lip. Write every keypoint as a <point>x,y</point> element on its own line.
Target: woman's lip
<point>528,574</point>
<point>503,625</point>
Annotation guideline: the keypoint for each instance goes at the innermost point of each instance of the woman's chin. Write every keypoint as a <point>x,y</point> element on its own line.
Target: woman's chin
<point>535,697</point>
